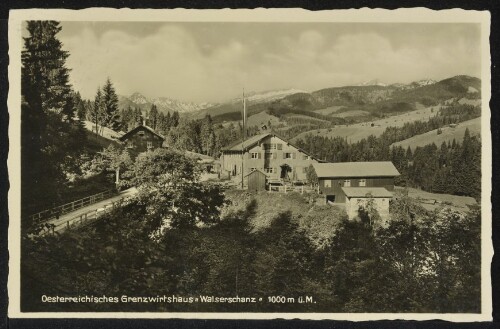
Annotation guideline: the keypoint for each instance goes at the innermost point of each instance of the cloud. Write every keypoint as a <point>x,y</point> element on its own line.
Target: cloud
<point>180,62</point>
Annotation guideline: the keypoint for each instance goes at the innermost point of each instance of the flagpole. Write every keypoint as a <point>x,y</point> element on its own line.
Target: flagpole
<point>243,139</point>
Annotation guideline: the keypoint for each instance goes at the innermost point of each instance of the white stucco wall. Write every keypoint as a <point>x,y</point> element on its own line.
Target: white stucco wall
<point>381,204</point>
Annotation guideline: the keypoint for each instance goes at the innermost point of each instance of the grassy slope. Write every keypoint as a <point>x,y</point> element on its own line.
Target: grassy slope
<point>319,222</point>
<point>453,201</point>
<point>356,132</point>
<point>448,134</point>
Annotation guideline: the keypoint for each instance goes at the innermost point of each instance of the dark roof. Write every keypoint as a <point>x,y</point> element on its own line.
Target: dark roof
<point>254,140</point>
<point>247,144</point>
<point>132,131</point>
<point>356,169</point>
<point>375,192</point>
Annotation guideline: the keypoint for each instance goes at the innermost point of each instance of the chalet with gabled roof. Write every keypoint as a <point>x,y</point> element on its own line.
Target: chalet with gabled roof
<point>277,158</point>
<point>356,184</point>
<point>141,139</point>
<point>334,177</point>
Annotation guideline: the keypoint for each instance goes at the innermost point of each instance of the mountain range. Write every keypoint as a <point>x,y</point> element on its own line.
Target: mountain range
<point>372,97</point>
<point>164,104</point>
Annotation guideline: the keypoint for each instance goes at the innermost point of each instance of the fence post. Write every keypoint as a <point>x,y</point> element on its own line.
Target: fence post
<point>67,224</point>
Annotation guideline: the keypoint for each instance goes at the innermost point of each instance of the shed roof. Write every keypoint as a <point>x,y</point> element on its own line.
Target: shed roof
<point>255,170</point>
<point>360,192</point>
<point>132,131</point>
<point>356,169</point>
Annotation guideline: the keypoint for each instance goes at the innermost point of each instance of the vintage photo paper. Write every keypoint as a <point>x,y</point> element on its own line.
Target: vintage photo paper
<point>250,164</point>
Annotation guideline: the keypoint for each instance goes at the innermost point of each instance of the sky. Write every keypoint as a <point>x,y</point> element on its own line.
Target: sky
<point>213,62</point>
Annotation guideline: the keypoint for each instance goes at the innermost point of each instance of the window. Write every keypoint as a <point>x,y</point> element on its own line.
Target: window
<point>362,182</point>
<point>305,157</point>
<point>141,133</point>
<point>150,145</point>
<point>270,170</point>
<point>328,183</point>
<point>288,155</point>
<point>254,155</point>
<point>273,146</point>
<point>347,182</point>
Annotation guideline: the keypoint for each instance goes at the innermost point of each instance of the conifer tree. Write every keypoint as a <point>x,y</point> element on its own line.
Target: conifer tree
<point>48,129</point>
<point>175,119</point>
<point>153,116</point>
<point>111,114</point>
<point>97,111</point>
<point>45,77</point>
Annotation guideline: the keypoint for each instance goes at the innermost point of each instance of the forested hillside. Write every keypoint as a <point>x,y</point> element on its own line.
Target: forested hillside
<point>452,167</point>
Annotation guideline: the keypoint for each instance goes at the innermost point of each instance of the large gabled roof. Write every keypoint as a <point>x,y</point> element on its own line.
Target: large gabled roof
<point>247,144</point>
<point>254,140</point>
<point>132,131</point>
<point>356,169</point>
<point>360,192</point>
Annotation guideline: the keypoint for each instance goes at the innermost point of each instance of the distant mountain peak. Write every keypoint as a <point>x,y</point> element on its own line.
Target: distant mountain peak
<point>164,104</point>
<point>138,98</point>
<point>374,82</point>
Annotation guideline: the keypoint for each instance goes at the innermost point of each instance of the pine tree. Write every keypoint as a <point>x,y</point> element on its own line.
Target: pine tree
<point>45,78</point>
<point>111,114</point>
<point>49,132</point>
<point>168,122</point>
<point>153,116</point>
<point>137,117</point>
<point>207,135</point>
<point>97,111</point>
<point>175,119</point>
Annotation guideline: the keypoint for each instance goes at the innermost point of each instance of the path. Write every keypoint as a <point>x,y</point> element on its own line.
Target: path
<point>88,213</point>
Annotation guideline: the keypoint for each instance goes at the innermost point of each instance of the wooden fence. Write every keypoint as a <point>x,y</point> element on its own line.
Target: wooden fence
<point>285,189</point>
<point>83,219</point>
<point>48,214</point>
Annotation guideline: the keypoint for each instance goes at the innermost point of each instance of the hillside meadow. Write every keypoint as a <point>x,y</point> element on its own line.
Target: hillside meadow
<point>448,134</point>
<point>358,131</point>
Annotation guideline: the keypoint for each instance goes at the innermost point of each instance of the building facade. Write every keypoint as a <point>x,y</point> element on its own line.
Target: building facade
<point>334,177</point>
<point>362,198</point>
<point>141,139</point>
<point>274,156</point>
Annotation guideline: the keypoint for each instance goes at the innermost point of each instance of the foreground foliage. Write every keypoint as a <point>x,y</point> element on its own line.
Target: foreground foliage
<point>421,262</point>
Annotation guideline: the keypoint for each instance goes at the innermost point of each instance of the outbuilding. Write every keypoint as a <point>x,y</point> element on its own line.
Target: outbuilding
<point>256,180</point>
<point>363,197</point>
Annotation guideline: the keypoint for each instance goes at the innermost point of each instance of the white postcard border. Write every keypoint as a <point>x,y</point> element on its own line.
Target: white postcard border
<point>364,15</point>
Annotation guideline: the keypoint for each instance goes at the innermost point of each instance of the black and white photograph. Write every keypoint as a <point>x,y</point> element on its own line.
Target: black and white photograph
<point>250,164</point>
